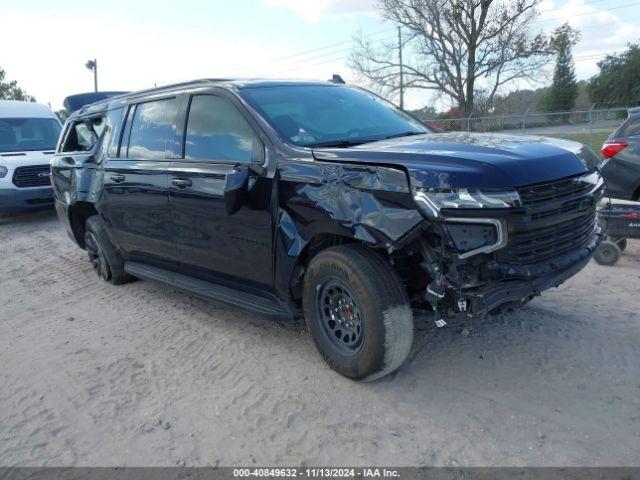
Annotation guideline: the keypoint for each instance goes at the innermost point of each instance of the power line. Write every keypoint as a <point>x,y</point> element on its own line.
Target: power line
<point>594,56</point>
<point>330,60</point>
<point>342,57</point>
<point>344,50</point>
<point>562,8</point>
<point>380,32</point>
<point>588,13</point>
<point>329,46</point>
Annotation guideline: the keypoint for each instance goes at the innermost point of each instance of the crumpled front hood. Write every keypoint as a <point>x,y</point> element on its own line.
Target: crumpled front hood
<point>451,160</point>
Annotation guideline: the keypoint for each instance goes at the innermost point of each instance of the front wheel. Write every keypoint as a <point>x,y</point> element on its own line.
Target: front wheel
<point>357,312</point>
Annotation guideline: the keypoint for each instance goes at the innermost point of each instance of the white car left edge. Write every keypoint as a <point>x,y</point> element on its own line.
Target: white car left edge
<point>28,135</point>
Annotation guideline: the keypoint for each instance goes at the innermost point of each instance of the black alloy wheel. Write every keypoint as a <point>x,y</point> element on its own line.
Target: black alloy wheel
<point>342,318</point>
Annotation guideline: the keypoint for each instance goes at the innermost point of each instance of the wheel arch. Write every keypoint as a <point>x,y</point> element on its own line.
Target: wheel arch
<point>79,212</point>
<point>317,243</point>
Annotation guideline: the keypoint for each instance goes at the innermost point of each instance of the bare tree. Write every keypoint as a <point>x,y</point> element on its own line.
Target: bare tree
<point>457,48</point>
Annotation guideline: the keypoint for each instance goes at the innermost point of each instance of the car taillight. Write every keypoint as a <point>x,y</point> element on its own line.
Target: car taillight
<point>610,149</point>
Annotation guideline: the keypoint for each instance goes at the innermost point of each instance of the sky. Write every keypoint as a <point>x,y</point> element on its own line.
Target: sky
<point>139,44</point>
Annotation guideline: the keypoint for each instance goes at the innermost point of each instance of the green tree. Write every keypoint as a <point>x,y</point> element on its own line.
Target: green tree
<point>62,115</point>
<point>618,83</point>
<point>9,90</point>
<point>564,90</point>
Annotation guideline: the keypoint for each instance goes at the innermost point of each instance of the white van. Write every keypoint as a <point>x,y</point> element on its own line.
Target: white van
<point>28,136</point>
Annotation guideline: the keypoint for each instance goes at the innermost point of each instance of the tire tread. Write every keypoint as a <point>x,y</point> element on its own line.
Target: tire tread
<point>391,296</point>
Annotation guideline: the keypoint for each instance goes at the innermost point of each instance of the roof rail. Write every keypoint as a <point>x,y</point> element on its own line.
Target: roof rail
<point>179,84</point>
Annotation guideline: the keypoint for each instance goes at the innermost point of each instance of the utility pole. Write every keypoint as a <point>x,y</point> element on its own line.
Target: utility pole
<point>401,72</point>
<point>93,66</point>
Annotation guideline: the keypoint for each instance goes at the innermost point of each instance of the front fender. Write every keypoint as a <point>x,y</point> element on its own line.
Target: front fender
<point>75,183</point>
<point>368,203</point>
<point>74,187</point>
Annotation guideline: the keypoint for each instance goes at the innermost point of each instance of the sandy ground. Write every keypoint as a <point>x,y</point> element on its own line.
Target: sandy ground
<point>142,374</point>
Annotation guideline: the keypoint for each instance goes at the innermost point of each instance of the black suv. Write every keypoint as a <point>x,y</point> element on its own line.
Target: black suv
<point>323,200</point>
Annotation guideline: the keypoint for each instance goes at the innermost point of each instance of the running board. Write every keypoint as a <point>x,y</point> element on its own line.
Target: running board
<point>211,291</point>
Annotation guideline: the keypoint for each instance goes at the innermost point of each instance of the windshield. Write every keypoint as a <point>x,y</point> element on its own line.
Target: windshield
<point>318,115</point>
<point>26,134</point>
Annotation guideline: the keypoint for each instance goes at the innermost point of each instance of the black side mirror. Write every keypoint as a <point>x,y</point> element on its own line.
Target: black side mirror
<point>235,189</point>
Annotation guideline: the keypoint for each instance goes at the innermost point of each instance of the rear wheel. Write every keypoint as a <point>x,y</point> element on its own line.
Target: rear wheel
<point>357,312</point>
<point>106,262</point>
<point>608,253</point>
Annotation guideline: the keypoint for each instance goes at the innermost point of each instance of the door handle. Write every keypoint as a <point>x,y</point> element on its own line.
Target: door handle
<point>181,182</point>
<point>117,178</point>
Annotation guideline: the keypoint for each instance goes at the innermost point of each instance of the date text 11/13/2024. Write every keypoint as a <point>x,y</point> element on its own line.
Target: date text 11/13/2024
<point>316,472</point>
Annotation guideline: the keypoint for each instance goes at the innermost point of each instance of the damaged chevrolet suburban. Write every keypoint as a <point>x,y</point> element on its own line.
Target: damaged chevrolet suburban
<point>323,200</point>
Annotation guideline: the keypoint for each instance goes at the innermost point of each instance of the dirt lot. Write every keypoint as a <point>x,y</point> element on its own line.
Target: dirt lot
<point>144,375</point>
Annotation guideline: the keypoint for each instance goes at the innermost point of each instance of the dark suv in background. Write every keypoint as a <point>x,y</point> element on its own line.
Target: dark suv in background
<point>621,159</point>
<point>322,200</point>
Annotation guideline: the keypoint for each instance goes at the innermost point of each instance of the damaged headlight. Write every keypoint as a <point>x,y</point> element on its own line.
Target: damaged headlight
<point>3,171</point>
<point>432,200</point>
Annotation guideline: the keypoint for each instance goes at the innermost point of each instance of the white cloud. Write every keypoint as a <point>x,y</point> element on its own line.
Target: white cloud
<point>48,63</point>
<point>313,11</point>
<point>602,32</point>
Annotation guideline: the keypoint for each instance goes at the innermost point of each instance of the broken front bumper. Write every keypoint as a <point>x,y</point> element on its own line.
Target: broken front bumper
<point>493,297</point>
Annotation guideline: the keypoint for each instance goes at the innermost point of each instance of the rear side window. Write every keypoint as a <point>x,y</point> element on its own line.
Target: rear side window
<point>84,134</point>
<point>152,128</point>
<point>216,130</point>
<point>630,127</point>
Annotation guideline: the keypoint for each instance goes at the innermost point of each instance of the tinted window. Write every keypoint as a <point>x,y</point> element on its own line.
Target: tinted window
<point>25,134</point>
<point>308,114</point>
<point>217,131</point>
<point>152,128</point>
<point>630,127</point>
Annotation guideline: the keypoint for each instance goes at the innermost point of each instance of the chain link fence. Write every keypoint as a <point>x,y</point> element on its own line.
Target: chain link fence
<point>590,127</point>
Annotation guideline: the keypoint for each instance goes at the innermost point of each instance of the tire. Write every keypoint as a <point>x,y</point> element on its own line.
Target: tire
<point>357,312</point>
<point>608,253</point>
<point>107,263</point>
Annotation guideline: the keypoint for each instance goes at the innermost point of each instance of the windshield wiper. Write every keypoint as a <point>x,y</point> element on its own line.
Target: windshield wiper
<point>338,143</point>
<point>405,134</point>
